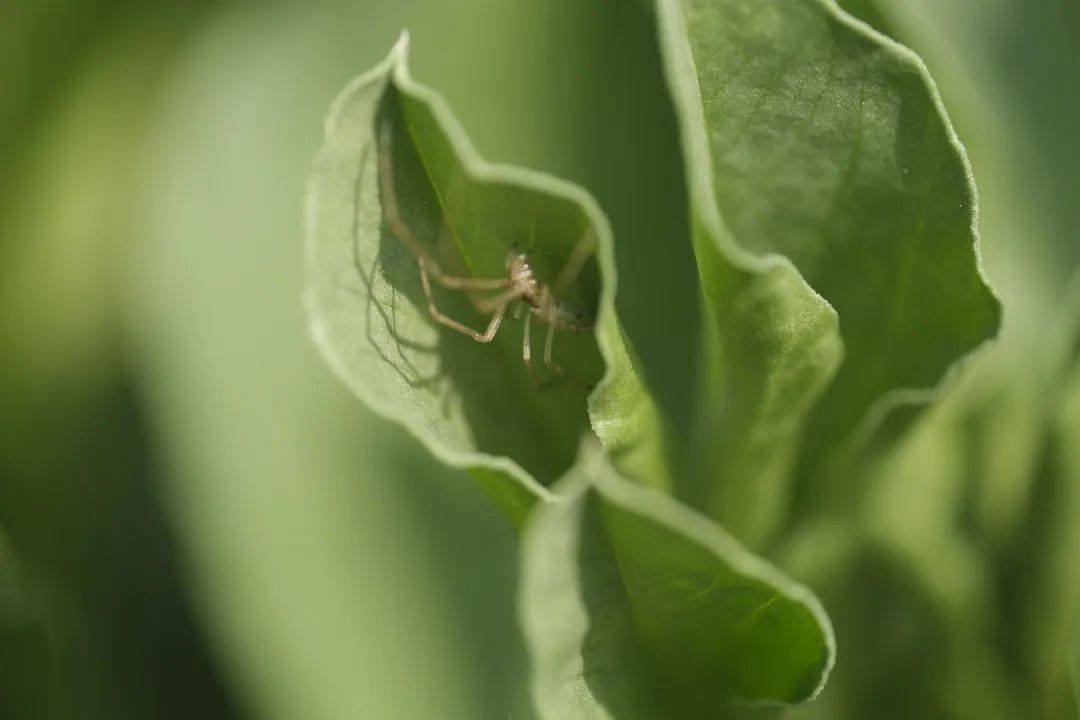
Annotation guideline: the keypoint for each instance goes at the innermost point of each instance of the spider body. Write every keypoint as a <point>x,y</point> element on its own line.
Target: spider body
<point>542,302</point>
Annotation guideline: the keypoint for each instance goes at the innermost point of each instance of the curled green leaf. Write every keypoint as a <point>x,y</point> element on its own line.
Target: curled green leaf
<point>637,607</point>
<point>412,241</point>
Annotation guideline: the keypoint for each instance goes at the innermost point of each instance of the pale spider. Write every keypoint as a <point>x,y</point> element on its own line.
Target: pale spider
<point>520,284</point>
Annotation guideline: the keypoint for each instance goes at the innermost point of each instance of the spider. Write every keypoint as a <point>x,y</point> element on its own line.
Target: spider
<point>520,284</point>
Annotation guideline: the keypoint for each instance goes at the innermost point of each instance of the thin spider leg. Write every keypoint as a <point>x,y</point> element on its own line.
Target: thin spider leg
<point>467,283</point>
<point>402,232</point>
<point>492,328</point>
<point>584,248</point>
<point>526,343</point>
<point>487,305</point>
<point>549,301</point>
<point>549,310</point>
<point>549,340</point>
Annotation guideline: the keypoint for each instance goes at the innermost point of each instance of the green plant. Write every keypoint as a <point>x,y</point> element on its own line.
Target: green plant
<point>760,420</point>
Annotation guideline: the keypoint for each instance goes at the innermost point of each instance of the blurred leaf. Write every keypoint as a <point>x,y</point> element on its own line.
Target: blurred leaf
<point>392,147</point>
<point>31,681</point>
<point>1058,616</point>
<point>958,584</point>
<point>920,647</point>
<point>639,608</point>
<point>828,144</point>
<point>77,493</point>
<point>1044,561</point>
<point>1074,664</point>
<point>1075,660</point>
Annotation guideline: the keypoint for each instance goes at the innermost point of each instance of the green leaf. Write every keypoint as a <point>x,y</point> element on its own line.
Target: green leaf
<point>768,344</point>
<point>826,143</point>
<point>638,608</point>
<point>392,150</point>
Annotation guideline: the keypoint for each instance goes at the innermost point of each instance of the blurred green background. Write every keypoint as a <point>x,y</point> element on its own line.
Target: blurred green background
<point>196,519</point>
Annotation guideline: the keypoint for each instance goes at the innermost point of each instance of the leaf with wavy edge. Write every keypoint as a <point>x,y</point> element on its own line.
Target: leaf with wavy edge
<point>816,138</point>
<point>472,405</point>
<point>636,607</point>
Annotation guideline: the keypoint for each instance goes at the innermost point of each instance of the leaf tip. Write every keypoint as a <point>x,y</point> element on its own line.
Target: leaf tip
<point>400,51</point>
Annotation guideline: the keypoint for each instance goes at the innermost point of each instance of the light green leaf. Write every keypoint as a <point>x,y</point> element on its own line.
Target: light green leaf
<point>392,150</point>
<point>636,607</point>
<point>826,143</point>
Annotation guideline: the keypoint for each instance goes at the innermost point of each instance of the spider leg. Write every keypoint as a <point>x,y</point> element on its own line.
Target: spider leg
<point>392,214</point>
<point>560,374</point>
<point>584,248</point>
<point>488,305</point>
<point>493,327</point>
<point>549,340</point>
<point>526,346</point>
